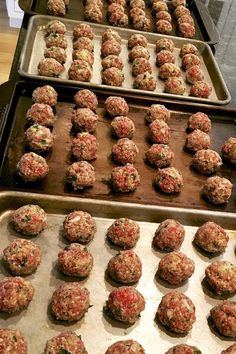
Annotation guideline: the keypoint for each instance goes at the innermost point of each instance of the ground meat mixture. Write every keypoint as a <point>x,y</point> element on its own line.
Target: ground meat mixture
<point>159,132</point>
<point>12,341</point>
<point>200,89</point>
<point>39,138</point>
<point>194,74</point>
<point>140,66</point>
<point>83,30</point>
<point>15,294</point>
<point>56,53</point>
<point>116,106</point>
<point>230,350</point>
<point>169,236</point>
<point>50,67</point>
<point>221,276</point>
<point>183,349</point>
<point>189,60</point>
<point>125,347</point>
<point>157,111</point>
<point>224,318</point>
<point>56,7</point>
<point>113,77</point>
<point>138,52</point>
<point>199,121</point>
<point>125,179</point>
<point>56,40</point>
<point>217,190</point>
<point>111,34</point>
<point>79,226</point>
<point>84,147</point>
<point>206,161</point>
<point>175,268</point>
<point>164,44</point>
<point>112,61</point>
<point>181,11</point>
<point>55,26</point>
<point>197,140</point>
<point>169,70</point>
<point>228,150</point>
<point>29,219</point>
<point>186,30</point>
<point>145,81</point>
<point>110,47</point>
<point>188,48</point>
<point>45,94</point>
<point>159,155</point>
<point>83,43</point>
<point>124,232</point>
<point>86,99</point>
<point>124,151</point>
<point>22,256</point>
<point>81,175</point>
<point>211,237</point>
<point>175,85</point>
<point>84,120</point>
<point>85,55</point>
<point>125,304</point>
<point>70,302</point>
<point>176,312</point>
<point>32,167</point>
<point>80,70</point>
<point>163,26</point>
<point>163,15</point>
<point>137,39</point>
<point>169,180</point>
<point>65,342</point>
<point>122,127</point>
<point>164,56</point>
<point>41,113</point>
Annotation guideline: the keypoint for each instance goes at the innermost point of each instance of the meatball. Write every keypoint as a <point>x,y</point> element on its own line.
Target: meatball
<point>125,267</point>
<point>83,30</point>
<point>83,43</point>
<point>140,66</point>
<point>145,81</point>
<point>125,179</point>
<point>197,140</point>
<point>12,341</point>
<point>86,99</point>
<point>118,18</point>
<point>56,40</point>
<point>113,77</point>
<point>137,3</point>
<point>39,138</point>
<point>112,61</point>
<point>228,150</point>
<point>84,119</point>
<point>183,349</point>
<point>164,44</point>
<point>124,232</point>
<point>45,94</point>
<point>186,19</point>
<point>159,155</point>
<point>138,52</point>
<point>110,47</point>
<point>114,7</point>
<point>169,70</point>
<point>65,342</point>
<point>188,48</point>
<point>194,74</point>
<point>125,347</point>
<point>85,55</point>
<point>50,67</point>
<point>169,236</point>
<point>136,14</point>
<point>164,56</point>
<point>158,6</point>
<point>137,39</point>
<point>80,70</point>
<point>217,190</point>
<point>32,167</point>
<point>22,256</point>
<point>56,7</point>
<point>116,106</point>
<point>84,147</point>
<point>111,34</point>
<point>175,85</point>
<point>29,219</point>
<point>176,312</point>
<point>55,26</point>
<point>122,127</point>
<point>70,302</point>
<point>200,89</point>
<point>93,13</point>
<point>181,11</point>
<point>79,226</point>
<point>125,151</point>
<point>176,3</point>
<point>41,113</point>
<point>186,30</point>
<point>169,180</point>
<point>189,60</point>
<point>81,175</point>
<point>157,111</point>
<point>199,121</point>
<point>142,23</point>
<point>230,350</point>
<point>175,268</point>
<point>211,237</point>
<point>224,318</point>
<point>221,276</point>
<point>159,132</point>
<point>163,26</point>
<point>125,304</point>
<point>206,161</point>
<point>56,53</point>
<point>75,261</point>
<point>163,15</point>
<point>15,294</point>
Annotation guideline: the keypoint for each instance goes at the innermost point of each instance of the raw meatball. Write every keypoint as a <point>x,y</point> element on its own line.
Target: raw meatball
<point>175,85</point>
<point>206,161</point>
<point>164,44</point>
<point>186,30</point>
<point>138,52</point>
<point>75,261</point>
<point>86,99</point>
<point>83,43</point>
<point>197,140</point>
<point>125,347</point>
<point>159,132</point>
<point>137,39</point>
<point>125,151</point>
<point>140,66</point>
<point>114,8</point>
<point>194,74</point>
<point>32,167</point>
<point>137,3</point>
<point>110,47</point>
<point>200,89</point>
<point>228,150</point>
<point>199,121</point>
<point>56,7</point>
<point>112,61</point>
<point>211,237</point>
<point>22,256</point>
<point>175,268</point>
<point>50,67</point>
<point>15,294</point>
<point>188,48</point>
<point>181,11</point>
<point>39,138</point>
<point>158,6</point>
<point>163,15</point>
<point>176,3</point>
<point>84,119</point>
<point>136,14</point>
<point>56,53</point>
<point>157,111</point>
<point>142,23</point>
<point>221,276</point>
<point>55,26</point>
<point>145,81</point>
<point>84,147</point>
<point>118,18</point>
<point>45,94</point>
<point>85,55</point>
<point>56,40</point>
<point>159,155</point>
<point>113,77</point>
<point>189,60</point>
<point>163,26</point>
<point>176,312</point>
<point>65,342</point>
<point>125,304</point>
<point>125,267</point>
<point>116,106</point>
<point>164,56</point>
<point>183,349</point>
<point>80,70</point>
<point>186,19</point>
<point>29,219</point>
<point>125,179</point>
<point>93,13</point>
<point>70,302</point>
<point>41,113</point>
<point>169,70</point>
<point>111,34</point>
<point>230,350</point>
<point>79,226</point>
<point>12,342</point>
<point>217,190</point>
<point>124,232</point>
<point>81,175</point>
<point>122,127</point>
<point>83,30</point>
<point>169,236</point>
<point>224,318</point>
<point>169,180</point>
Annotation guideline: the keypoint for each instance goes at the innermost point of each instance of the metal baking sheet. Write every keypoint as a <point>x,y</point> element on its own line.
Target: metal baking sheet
<point>34,46</point>
<point>98,331</point>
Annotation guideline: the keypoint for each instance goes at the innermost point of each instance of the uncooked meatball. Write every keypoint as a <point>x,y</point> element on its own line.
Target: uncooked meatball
<point>188,48</point>
<point>194,74</point>
<point>175,268</point>
<point>118,18</point>
<point>157,111</point>
<point>164,56</point>
<point>137,3</point>
<point>159,132</point>
<point>111,34</point>
<point>15,294</point>
<point>122,127</point>
<point>228,150</point>
<point>163,15</point>
<point>169,70</point>
<point>176,312</point>
<point>124,151</point>
<point>217,190</point>
<point>137,39</point>
<point>41,113</point>
<point>221,276</point>
<point>84,120</point>
<point>113,77</point>
<point>206,161</point>
<point>140,66</point>
<point>56,40</point>
<point>169,236</point>
<point>175,85</point>
<point>45,94</point>
<point>142,23</point>
<point>158,6</point>
<point>189,60</point>
<point>181,11</point>
<point>159,155</point>
<point>81,175</point>
<point>50,67</point>
<point>136,14</point>
<point>86,99</point>
<point>164,44</point>
<point>230,350</point>
<point>197,140</point>
<point>110,47</point>
<point>169,180</point>
<point>85,55</point>
<point>186,19</point>
<point>128,346</point>
<point>211,237</point>
<point>22,256</point>
<point>186,30</point>
<point>84,147</point>
<point>201,89</point>
<point>125,179</point>
<point>83,43</point>
<point>176,3</point>
<point>12,341</point>
<point>116,106</point>
<point>83,30</point>
<point>79,226</point>
<point>93,13</point>
<point>56,53</point>
<point>112,61</point>
<point>70,302</point>
<point>39,138</point>
<point>199,121</point>
<point>29,219</point>
<point>55,26</point>
<point>145,81</point>
<point>224,318</point>
<point>125,267</point>
<point>163,26</point>
<point>125,304</point>
<point>138,52</point>
<point>80,70</point>
<point>183,349</point>
<point>65,342</point>
<point>56,7</point>
<point>114,7</point>
<point>124,232</point>
<point>32,167</point>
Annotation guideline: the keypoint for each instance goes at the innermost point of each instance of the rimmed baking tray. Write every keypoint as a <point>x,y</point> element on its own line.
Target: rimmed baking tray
<point>12,147</point>
<point>34,45</point>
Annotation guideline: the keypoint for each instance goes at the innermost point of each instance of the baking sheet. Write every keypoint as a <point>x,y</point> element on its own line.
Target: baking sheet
<point>97,331</point>
<point>34,46</point>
